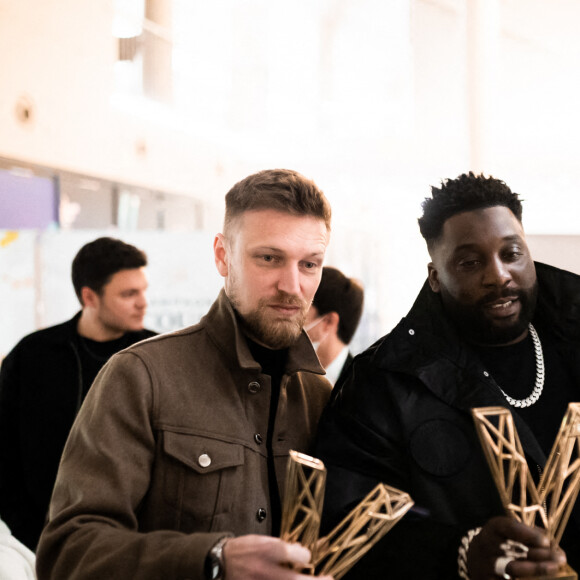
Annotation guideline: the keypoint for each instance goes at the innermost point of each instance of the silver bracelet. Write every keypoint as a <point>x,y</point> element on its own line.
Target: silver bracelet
<point>462,553</point>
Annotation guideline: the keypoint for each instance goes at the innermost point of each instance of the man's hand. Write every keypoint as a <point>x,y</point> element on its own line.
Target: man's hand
<point>256,557</point>
<point>542,558</point>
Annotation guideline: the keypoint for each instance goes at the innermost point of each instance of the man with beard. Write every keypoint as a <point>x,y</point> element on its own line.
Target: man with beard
<point>489,328</point>
<point>176,465</point>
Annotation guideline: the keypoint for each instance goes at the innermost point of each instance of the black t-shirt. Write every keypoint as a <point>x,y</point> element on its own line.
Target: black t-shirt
<point>513,368</point>
<point>94,354</point>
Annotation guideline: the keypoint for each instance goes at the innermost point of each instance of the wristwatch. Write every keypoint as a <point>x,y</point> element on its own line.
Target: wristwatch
<point>214,562</point>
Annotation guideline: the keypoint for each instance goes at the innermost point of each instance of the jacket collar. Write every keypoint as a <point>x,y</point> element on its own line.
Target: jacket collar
<point>558,302</point>
<point>224,329</point>
<point>65,332</point>
<point>426,345</point>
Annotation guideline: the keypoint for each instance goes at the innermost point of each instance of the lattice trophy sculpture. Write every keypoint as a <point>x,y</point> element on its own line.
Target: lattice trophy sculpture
<point>366,524</point>
<point>548,504</point>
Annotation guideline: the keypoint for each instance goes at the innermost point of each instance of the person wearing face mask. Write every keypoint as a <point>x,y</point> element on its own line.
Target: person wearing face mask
<point>333,319</point>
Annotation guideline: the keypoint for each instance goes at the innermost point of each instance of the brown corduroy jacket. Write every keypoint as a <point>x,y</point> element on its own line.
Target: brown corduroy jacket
<point>164,458</point>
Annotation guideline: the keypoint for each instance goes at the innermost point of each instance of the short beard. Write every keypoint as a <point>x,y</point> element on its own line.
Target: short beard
<point>475,327</point>
<point>271,332</point>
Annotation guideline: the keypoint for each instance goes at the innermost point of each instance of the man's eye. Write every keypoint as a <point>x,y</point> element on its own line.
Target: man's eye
<point>468,264</point>
<point>310,265</point>
<point>513,256</point>
<point>268,258</point>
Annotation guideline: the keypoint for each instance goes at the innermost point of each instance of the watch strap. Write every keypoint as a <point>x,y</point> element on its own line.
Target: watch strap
<point>214,562</point>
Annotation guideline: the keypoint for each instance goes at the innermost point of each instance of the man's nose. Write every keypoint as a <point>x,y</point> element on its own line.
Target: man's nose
<point>497,273</point>
<point>142,301</point>
<point>289,281</point>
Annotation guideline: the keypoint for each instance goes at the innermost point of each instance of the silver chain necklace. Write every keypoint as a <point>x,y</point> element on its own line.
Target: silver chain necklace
<point>539,386</point>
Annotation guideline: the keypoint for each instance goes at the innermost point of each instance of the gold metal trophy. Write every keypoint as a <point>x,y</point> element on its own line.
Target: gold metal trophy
<point>550,503</point>
<point>366,524</point>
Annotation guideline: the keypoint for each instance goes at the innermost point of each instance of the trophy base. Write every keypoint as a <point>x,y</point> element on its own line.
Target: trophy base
<point>565,573</point>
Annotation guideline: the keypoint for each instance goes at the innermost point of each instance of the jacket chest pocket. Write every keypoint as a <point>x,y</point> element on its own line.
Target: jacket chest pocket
<point>202,475</point>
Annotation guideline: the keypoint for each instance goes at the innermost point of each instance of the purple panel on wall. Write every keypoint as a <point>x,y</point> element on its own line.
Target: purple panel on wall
<point>27,201</point>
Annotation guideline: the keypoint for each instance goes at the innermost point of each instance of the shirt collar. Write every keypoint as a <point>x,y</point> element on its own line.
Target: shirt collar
<point>334,368</point>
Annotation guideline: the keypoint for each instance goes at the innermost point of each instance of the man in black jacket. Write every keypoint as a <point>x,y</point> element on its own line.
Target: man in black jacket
<point>45,378</point>
<point>483,329</point>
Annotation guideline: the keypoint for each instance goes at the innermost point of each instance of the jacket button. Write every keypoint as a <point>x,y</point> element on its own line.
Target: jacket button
<point>204,460</point>
<point>261,515</point>
<point>258,439</point>
<point>254,387</point>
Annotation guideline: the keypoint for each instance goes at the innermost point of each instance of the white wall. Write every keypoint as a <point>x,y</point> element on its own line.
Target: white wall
<point>369,98</point>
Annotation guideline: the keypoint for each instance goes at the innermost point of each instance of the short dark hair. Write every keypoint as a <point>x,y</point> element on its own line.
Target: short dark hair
<point>278,189</point>
<point>97,261</point>
<point>467,192</point>
<point>343,295</point>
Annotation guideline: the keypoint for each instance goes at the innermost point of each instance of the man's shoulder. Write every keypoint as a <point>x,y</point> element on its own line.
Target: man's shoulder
<point>139,335</point>
<point>561,287</point>
<point>558,300</point>
<point>154,342</point>
<point>61,332</point>
<point>387,341</point>
<point>398,351</point>
<point>550,274</point>
<point>370,360</point>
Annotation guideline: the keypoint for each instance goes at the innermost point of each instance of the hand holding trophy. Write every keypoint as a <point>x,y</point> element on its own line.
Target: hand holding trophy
<point>366,524</point>
<point>547,505</point>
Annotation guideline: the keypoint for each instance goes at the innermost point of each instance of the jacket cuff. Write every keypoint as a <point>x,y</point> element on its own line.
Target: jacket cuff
<point>191,565</point>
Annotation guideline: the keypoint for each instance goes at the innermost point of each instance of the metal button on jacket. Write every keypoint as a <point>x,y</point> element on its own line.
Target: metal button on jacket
<point>254,387</point>
<point>261,514</point>
<point>204,460</point>
<point>258,439</point>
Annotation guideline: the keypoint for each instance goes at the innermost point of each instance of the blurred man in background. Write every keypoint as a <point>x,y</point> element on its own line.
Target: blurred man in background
<point>333,319</point>
<point>45,378</point>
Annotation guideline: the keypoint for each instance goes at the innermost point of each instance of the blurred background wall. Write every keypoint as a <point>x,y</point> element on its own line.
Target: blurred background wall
<point>133,118</point>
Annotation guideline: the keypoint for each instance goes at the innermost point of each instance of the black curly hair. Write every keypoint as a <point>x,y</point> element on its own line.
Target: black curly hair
<point>467,192</point>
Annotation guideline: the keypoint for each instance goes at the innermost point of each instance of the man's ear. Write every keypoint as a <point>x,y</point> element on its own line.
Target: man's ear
<point>89,297</point>
<point>220,253</point>
<point>433,277</point>
<point>331,320</point>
